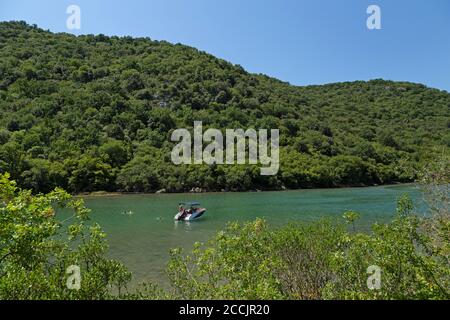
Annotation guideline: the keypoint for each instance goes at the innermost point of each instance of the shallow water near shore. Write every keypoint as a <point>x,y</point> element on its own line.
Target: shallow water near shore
<point>141,229</point>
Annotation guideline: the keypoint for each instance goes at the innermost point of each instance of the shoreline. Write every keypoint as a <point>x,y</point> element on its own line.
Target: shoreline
<point>100,194</point>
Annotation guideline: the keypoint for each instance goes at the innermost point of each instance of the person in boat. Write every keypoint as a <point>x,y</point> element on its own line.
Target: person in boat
<point>183,211</point>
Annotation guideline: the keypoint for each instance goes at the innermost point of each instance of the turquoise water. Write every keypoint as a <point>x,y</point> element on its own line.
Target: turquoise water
<point>142,240</point>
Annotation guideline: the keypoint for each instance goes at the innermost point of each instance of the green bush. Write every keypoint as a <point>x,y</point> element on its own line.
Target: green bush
<point>36,248</point>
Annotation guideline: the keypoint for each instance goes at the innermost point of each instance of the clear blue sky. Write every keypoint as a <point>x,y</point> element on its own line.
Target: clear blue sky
<point>300,41</point>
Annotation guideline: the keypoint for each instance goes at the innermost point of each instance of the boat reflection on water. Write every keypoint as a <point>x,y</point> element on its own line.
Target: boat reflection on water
<point>186,225</point>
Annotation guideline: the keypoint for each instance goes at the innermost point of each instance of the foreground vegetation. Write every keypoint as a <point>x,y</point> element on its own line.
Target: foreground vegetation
<point>36,248</point>
<point>94,113</point>
<point>322,260</point>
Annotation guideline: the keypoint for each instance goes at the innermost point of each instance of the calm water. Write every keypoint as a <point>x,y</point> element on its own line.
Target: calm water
<point>142,240</point>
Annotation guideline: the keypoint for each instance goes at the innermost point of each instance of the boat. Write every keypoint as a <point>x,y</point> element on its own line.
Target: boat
<point>189,211</point>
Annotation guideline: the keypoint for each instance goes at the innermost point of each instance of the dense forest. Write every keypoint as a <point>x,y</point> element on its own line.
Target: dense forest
<point>93,112</point>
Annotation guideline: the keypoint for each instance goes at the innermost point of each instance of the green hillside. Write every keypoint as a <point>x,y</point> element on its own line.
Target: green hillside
<point>95,113</point>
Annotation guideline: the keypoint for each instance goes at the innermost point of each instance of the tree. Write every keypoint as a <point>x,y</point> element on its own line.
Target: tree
<point>115,153</point>
<point>91,174</point>
<point>351,217</point>
<point>37,247</point>
<point>65,98</point>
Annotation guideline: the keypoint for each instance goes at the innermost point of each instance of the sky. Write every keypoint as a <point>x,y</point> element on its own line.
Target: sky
<point>299,41</point>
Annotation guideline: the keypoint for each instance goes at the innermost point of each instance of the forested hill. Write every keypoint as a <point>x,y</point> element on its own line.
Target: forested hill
<point>94,113</point>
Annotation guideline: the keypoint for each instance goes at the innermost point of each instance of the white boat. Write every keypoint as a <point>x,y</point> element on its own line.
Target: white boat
<point>189,211</point>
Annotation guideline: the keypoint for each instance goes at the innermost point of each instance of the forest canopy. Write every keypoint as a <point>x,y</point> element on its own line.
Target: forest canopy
<point>93,112</point>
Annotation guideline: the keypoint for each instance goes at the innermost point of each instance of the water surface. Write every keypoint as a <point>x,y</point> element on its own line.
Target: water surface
<point>142,240</point>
